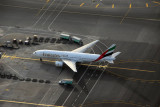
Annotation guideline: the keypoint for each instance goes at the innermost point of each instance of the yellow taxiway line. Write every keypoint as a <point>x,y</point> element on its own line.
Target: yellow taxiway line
<point>42,7</point>
<point>103,15</point>
<point>18,102</point>
<point>97,5</point>
<point>81,4</point>
<point>156,2</point>
<point>112,5</point>
<point>119,68</point>
<point>116,102</point>
<point>100,66</point>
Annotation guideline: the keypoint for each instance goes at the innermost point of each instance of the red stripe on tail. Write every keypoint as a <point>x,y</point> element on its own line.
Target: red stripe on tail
<point>100,57</point>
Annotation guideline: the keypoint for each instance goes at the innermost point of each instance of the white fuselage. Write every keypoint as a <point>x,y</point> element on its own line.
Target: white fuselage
<point>75,56</point>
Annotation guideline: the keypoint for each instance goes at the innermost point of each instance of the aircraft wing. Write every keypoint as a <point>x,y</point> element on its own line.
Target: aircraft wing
<point>85,47</point>
<point>71,64</point>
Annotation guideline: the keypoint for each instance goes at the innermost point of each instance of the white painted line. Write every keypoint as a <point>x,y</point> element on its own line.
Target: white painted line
<point>57,15</point>
<point>43,13</point>
<point>92,88</point>
<point>74,87</point>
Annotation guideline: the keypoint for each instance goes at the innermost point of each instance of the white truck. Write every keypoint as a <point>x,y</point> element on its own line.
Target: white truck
<point>66,82</point>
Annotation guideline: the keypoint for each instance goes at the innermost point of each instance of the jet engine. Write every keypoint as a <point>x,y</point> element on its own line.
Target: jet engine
<point>59,63</point>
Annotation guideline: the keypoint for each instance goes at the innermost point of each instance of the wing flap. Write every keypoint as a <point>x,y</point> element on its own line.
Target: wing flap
<point>71,64</point>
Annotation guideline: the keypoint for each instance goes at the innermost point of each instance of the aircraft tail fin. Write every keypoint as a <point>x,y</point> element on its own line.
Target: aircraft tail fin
<point>108,52</point>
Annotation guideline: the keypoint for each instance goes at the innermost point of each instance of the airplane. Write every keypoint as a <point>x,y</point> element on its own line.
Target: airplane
<point>71,57</point>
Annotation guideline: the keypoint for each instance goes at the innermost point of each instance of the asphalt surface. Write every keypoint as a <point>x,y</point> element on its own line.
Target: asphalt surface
<point>132,81</point>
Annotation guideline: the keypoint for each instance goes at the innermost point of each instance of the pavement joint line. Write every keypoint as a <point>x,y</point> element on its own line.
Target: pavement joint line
<point>90,13</point>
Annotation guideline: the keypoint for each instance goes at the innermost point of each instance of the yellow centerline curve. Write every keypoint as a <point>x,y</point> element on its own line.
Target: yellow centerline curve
<point>42,7</point>
<point>125,15</point>
<point>147,5</point>
<point>113,73</point>
<point>156,2</point>
<point>114,101</point>
<point>118,68</point>
<point>100,66</point>
<point>130,5</point>
<point>18,102</point>
<point>81,4</point>
<point>112,5</point>
<point>147,61</point>
<point>131,69</point>
<point>97,5</point>
<point>133,79</point>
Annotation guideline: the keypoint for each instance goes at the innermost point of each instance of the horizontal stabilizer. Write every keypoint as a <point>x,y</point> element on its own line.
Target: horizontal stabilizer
<point>115,54</point>
<point>111,61</point>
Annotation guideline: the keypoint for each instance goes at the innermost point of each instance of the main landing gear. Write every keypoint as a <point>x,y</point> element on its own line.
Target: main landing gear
<point>41,59</point>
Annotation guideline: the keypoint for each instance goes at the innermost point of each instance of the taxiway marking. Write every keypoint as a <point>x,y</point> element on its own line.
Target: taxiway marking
<point>103,15</point>
<point>18,102</point>
<point>42,8</point>
<point>130,5</point>
<point>131,78</point>
<point>146,4</point>
<point>97,6</point>
<point>81,4</point>
<point>156,2</point>
<point>112,5</point>
<point>125,15</point>
<point>116,101</point>
<point>100,66</point>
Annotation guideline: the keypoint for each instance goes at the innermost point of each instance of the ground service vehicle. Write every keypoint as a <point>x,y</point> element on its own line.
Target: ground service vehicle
<point>66,82</point>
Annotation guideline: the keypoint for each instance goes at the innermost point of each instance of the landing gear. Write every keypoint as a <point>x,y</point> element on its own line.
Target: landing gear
<point>41,59</point>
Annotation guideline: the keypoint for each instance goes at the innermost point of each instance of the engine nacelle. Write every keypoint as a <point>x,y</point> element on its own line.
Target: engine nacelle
<point>59,63</point>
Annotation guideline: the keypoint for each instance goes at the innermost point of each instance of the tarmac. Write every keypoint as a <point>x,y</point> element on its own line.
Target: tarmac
<point>133,79</point>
